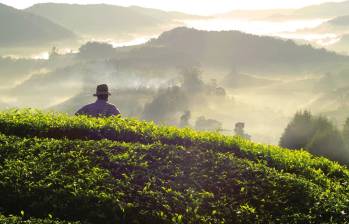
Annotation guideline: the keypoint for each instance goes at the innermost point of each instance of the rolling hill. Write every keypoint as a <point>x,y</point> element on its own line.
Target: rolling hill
<point>340,21</point>
<point>19,28</point>
<point>162,58</point>
<point>342,45</point>
<point>62,167</point>
<point>324,10</point>
<point>246,52</point>
<point>101,19</point>
<point>338,25</point>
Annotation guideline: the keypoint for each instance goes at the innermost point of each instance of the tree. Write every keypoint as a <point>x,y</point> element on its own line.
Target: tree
<point>345,133</point>
<point>328,142</point>
<point>184,120</point>
<point>96,50</point>
<point>316,134</point>
<point>299,131</point>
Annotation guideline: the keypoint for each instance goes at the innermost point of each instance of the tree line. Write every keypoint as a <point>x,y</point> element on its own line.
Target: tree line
<point>318,135</point>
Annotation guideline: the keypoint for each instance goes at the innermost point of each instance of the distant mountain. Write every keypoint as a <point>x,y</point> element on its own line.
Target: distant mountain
<point>246,52</point>
<point>102,19</point>
<point>338,25</point>
<point>342,45</point>
<point>340,21</point>
<point>325,10</point>
<point>160,60</point>
<point>19,28</point>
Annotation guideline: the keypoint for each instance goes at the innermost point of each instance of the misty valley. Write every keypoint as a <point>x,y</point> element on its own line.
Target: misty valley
<point>222,77</point>
<point>233,117</point>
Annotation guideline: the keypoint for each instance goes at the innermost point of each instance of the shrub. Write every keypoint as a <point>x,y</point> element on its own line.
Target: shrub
<point>161,175</point>
<point>111,182</point>
<point>317,135</point>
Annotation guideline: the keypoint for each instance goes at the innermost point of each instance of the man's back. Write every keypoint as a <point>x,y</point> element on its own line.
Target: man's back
<point>99,109</point>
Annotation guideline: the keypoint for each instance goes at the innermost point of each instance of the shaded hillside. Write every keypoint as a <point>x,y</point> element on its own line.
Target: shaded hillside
<point>342,45</point>
<point>155,174</point>
<point>19,28</point>
<point>233,49</point>
<point>13,71</point>
<point>159,61</point>
<point>324,10</point>
<point>338,25</point>
<point>340,21</point>
<point>104,19</point>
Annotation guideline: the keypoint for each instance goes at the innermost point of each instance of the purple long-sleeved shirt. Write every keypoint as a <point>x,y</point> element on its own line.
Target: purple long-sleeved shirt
<point>100,108</point>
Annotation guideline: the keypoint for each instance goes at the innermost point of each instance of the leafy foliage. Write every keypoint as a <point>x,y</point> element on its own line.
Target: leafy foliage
<point>161,175</point>
<point>316,134</point>
<point>19,220</point>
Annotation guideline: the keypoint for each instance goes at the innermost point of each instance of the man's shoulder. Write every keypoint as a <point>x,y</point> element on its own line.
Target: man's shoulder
<point>89,105</point>
<point>111,105</point>
<point>113,108</point>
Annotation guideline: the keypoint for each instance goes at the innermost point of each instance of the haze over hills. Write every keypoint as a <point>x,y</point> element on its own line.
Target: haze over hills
<point>233,49</point>
<point>338,25</point>
<point>101,19</point>
<point>184,48</point>
<point>324,10</point>
<point>20,28</point>
<point>248,74</point>
<point>340,21</point>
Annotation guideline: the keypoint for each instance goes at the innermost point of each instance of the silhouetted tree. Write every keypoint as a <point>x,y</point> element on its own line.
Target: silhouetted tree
<point>345,133</point>
<point>184,120</point>
<point>299,131</point>
<point>204,124</point>
<point>327,141</point>
<point>96,50</point>
<point>317,135</point>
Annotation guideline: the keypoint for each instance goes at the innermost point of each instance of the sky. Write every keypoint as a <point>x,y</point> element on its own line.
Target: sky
<point>203,7</point>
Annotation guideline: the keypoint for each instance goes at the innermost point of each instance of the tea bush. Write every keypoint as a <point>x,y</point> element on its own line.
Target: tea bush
<point>54,165</point>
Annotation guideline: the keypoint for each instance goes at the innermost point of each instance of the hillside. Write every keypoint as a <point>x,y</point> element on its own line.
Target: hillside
<point>340,21</point>
<point>338,25</point>
<point>246,52</point>
<point>101,19</point>
<point>258,58</point>
<point>342,45</point>
<point>19,28</point>
<point>57,166</point>
<point>325,10</point>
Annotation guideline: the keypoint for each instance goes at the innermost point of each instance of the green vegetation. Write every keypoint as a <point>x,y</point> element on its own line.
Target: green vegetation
<point>318,135</point>
<point>21,220</point>
<point>57,167</point>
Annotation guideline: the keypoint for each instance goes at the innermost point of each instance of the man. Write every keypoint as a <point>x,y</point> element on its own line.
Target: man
<point>100,108</point>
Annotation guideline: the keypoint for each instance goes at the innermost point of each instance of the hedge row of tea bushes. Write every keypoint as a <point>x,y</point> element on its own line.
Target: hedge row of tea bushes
<point>20,220</point>
<point>33,123</point>
<point>110,182</point>
<point>134,180</point>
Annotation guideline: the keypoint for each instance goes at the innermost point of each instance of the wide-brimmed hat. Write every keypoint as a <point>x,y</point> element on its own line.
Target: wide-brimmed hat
<point>102,90</point>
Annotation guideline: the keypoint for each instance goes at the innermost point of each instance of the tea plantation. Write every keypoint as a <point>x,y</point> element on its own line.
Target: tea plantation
<point>58,169</point>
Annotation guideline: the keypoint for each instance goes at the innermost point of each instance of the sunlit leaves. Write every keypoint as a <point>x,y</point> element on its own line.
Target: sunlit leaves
<point>60,166</point>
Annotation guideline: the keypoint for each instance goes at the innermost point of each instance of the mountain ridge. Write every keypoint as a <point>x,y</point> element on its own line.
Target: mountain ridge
<point>23,28</point>
<point>105,19</point>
